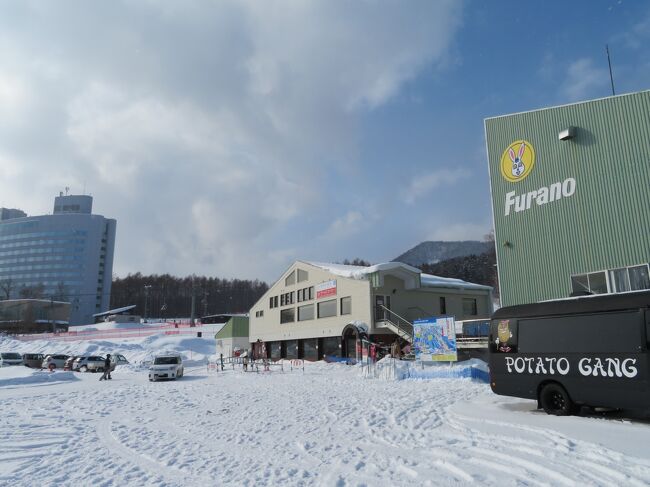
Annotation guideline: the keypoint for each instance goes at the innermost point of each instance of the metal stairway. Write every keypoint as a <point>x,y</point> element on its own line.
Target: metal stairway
<point>402,327</point>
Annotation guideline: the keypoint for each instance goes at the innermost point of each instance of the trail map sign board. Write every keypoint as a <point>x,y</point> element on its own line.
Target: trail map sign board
<point>434,339</point>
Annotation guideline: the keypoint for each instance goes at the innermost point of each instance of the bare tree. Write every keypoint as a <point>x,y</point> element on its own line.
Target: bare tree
<point>6,287</point>
<point>61,293</point>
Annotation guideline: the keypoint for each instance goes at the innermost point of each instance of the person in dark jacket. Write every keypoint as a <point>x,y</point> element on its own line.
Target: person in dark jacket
<point>107,368</point>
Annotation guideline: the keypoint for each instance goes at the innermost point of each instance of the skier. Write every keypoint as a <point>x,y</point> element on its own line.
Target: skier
<point>107,368</point>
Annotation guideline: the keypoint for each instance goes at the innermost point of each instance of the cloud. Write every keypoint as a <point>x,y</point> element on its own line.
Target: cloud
<point>203,127</point>
<point>423,184</point>
<point>584,80</point>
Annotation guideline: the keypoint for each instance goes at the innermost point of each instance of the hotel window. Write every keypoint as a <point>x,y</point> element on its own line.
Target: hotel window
<point>306,312</point>
<point>290,279</point>
<point>469,307</point>
<point>311,293</point>
<point>287,315</point>
<point>327,308</point>
<point>346,305</point>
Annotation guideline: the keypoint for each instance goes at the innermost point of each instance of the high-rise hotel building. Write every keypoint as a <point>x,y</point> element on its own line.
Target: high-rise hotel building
<point>67,256</point>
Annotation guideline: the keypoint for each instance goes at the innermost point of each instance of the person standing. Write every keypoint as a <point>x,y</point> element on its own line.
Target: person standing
<point>107,368</point>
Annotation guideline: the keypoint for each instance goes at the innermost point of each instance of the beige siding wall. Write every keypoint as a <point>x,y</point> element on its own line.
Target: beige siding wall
<point>425,302</point>
<point>268,327</point>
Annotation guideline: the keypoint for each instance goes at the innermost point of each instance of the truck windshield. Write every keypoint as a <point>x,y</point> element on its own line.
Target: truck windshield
<point>165,360</point>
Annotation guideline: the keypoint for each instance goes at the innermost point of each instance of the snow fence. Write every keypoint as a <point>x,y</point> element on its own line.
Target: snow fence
<point>391,369</point>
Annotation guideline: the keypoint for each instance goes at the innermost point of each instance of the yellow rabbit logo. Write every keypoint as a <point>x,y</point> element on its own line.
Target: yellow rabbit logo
<point>517,161</point>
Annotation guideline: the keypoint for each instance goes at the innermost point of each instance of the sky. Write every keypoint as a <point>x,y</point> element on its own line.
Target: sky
<point>230,138</point>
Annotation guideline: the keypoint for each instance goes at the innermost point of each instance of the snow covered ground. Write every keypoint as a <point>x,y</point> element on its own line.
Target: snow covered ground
<point>326,426</point>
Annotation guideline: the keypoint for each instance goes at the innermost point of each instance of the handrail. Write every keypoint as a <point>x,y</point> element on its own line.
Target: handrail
<point>393,313</point>
<point>397,325</point>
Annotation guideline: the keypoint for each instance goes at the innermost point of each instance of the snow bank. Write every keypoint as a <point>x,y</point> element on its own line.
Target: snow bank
<point>390,369</point>
<point>140,350</point>
<point>20,376</point>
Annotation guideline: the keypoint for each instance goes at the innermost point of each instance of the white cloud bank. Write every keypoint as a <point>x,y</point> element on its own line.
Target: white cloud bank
<point>201,126</point>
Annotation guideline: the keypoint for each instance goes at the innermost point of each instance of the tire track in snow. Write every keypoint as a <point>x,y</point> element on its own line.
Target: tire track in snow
<point>159,471</point>
<point>527,454</point>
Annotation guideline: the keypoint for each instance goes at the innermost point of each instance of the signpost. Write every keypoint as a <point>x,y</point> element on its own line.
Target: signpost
<point>434,339</point>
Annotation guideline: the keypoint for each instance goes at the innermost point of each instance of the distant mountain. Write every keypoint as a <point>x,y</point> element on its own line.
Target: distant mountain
<point>429,253</point>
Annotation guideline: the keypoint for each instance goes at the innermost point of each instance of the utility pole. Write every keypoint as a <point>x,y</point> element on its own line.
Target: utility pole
<point>146,300</point>
<point>51,317</point>
<point>193,314</point>
<point>204,302</point>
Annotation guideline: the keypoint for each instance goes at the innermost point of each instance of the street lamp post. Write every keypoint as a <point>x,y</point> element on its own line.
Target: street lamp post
<point>146,300</point>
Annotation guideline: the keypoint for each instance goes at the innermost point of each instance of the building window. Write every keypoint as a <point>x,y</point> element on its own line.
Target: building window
<point>287,315</point>
<point>290,279</point>
<point>282,299</point>
<point>259,314</point>
<point>273,302</point>
<point>327,308</point>
<point>346,305</point>
<point>469,307</point>
<point>306,312</point>
<point>311,293</point>
<point>639,277</point>
<point>443,305</point>
<point>302,275</point>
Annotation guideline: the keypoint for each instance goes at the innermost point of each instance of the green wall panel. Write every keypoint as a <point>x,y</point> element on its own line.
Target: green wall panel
<point>603,225</point>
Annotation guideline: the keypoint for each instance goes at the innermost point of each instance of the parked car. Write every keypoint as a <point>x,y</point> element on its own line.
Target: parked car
<point>54,361</point>
<point>10,358</point>
<point>118,359</point>
<point>33,360</point>
<point>92,363</point>
<point>166,366</point>
<point>69,363</point>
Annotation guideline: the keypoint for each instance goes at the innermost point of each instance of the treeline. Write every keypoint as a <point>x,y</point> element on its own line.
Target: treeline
<point>166,296</point>
<point>479,269</point>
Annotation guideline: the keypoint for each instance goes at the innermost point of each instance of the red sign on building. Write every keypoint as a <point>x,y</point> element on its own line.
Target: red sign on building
<point>327,288</point>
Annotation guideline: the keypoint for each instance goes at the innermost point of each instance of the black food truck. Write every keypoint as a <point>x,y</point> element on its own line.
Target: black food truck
<point>567,353</point>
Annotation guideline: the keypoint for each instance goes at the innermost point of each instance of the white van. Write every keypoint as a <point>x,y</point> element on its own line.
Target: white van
<point>166,366</point>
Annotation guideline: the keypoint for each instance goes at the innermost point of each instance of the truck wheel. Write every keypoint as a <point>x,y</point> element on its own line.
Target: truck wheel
<point>83,368</point>
<point>555,400</point>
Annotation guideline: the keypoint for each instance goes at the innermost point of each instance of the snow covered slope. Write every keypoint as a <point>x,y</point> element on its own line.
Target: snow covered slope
<point>325,426</point>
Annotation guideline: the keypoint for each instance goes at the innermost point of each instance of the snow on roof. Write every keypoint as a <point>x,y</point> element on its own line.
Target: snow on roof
<point>361,272</point>
<point>429,280</point>
<point>426,280</point>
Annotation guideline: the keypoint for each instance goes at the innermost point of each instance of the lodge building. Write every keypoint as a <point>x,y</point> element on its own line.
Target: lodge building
<point>315,309</point>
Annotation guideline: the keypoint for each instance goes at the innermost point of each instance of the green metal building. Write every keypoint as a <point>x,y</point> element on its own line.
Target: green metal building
<point>571,198</point>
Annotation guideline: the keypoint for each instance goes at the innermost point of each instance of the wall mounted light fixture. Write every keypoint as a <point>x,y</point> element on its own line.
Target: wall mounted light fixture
<point>567,134</point>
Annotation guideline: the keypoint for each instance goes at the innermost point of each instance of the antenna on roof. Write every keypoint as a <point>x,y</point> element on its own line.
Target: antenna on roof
<point>611,76</point>
<point>67,190</point>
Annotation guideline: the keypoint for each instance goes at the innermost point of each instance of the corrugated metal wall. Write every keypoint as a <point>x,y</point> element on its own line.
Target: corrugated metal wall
<point>605,224</point>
